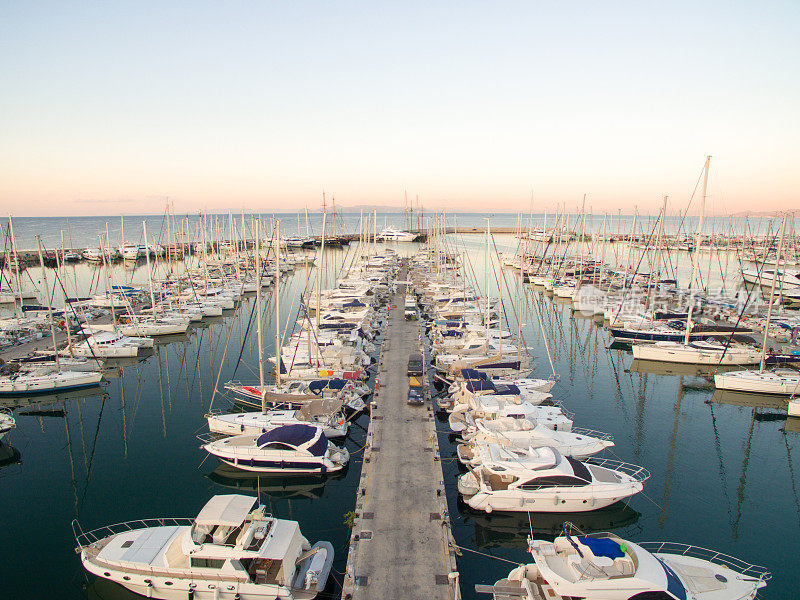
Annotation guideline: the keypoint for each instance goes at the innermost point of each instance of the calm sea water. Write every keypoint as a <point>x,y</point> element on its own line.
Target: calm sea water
<point>722,467</point>
<point>83,232</point>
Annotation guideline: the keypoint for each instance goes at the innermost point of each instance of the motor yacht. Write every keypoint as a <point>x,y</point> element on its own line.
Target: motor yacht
<point>578,443</point>
<point>7,422</point>
<point>543,480</point>
<point>325,413</point>
<point>497,407</point>
<point>391,234</point>
<point>286,450</point>
<point>229,550</point>
<point>604,566</point>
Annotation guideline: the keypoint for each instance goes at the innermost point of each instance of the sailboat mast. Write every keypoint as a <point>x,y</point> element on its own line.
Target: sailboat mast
<point>59,264</point>
<point>258,316</point>
<point>49,302</point>
<point>108,282</point>
<point>16,261</point>
<point>696,258</point>
<point>775,275</point>
<point>320,267</point>
<point>149,270</point>
<point>278,302</point>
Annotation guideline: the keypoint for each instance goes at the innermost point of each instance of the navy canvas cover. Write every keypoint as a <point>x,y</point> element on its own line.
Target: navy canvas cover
<point>318,385</point>
<point>295,435</point>
<point>480,385</point>
<point>473,374</point>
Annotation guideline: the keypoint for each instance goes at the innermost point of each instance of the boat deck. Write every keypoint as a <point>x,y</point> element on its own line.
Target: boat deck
<point>400,542</point>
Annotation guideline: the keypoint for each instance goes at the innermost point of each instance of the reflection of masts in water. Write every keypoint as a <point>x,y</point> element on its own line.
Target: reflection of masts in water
<point>94,448</point>
<point>639,416</point>
<point>83,441</point>
<point>791,474</point>
<point>722,471</point>
<point>673,438</point>
<point>161,392</point>
<point>124,418</point>
<point>169,387</point>
<point>73,480</point>
<point>743,477</point>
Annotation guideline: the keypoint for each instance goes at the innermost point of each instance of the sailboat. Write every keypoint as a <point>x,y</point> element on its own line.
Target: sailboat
<point>785,382</point>
<point>16,379</point>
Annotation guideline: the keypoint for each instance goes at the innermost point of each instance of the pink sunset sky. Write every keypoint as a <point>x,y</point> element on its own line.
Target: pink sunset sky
<point>110,109</point>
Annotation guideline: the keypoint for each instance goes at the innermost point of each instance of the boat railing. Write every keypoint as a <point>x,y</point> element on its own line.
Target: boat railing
<point>86,539</point>
<point>712,556</point>
<point>606,437</point>
<point>635,471</point>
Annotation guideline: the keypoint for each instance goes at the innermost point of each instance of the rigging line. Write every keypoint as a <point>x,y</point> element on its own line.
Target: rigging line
<point>222,359</point>
<point>454,545</point>
<point>94,447</point>
<point>508,291</point>
<point>244,337</point>
<point>635,271</point>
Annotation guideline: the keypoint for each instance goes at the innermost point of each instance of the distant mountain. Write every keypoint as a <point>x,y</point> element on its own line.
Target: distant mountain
<point>765,213</point>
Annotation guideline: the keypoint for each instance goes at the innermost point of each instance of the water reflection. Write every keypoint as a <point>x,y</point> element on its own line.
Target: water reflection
<point>513,529</point>
<point>42,402</point>
<point>9,455</point>
<point>297,487</point>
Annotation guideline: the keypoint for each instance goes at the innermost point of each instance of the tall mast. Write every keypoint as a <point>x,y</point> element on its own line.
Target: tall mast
<point>149,271</point>
<point>486,282</point>
<point>258,317</point>
<point>775,275</point>
<point>696,258</point>
<point>59,264</point>
<point>278,302</point>
<point>49,302</point>
<point>108,282</point>
<point>319,269</point>
<point>16,261</point>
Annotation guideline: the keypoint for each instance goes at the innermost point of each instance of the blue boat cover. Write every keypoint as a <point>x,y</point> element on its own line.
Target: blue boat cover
<point>353,303</point>
<point>480,385</point>
<point>473,374</point>
<point>602,547</point>
<point>318,385</point>
<point>295,435</point>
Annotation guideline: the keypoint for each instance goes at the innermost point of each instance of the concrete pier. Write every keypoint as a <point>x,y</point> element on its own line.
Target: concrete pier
<point>400,545</point>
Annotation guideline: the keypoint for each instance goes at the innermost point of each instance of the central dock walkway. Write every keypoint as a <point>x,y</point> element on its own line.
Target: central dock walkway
<point>400,543</point>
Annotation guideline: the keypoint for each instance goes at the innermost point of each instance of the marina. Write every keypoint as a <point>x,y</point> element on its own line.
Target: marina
<point>401,483</point>
<point>415,301</point>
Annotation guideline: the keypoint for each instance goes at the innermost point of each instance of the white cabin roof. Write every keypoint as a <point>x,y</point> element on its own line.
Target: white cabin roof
<point>230,510</point>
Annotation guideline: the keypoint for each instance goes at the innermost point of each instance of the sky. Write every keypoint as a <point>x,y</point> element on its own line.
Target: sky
<point>110,108</point>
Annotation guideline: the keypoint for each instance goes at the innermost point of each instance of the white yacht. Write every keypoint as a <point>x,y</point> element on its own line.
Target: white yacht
<point>604,566</point>
<point>286,450</point>
<point>230,550</point>
<point>700,352</point>
<point>108,344</point>
<point>46,379</point>
<point>7,422</point>
<point>325,413</point>
<point>542,480</point>
<point>498,407</point>
<point>786,278</point>
<point>391,234</point>
<point>578,443</point>
<point>783,382</point>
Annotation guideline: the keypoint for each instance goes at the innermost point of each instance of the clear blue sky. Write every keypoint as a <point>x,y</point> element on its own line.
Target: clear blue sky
<point>111,107</point>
